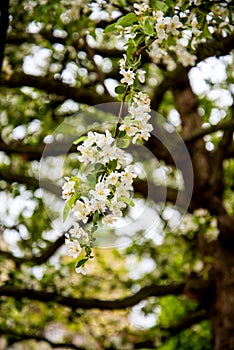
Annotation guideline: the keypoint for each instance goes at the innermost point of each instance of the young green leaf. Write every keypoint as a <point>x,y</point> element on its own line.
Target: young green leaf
<point>69,204</point>
<point>95,217</point>
<point>159,5</point>
<point>120,89</point>
<point>112,165</point>
<point>80,139</point>
<point>148,28</point>
<point>132,48</point>
<point>127,200</point>
<point>127,20</point>
<point>124,21</point>
<point>92,180</point>
<point>123,142</point>
<point>122,133</point>
<point>110,28</point>
<point>81,262</point>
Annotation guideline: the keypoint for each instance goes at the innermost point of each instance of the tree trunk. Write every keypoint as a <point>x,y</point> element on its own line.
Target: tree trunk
<point>221,310</point>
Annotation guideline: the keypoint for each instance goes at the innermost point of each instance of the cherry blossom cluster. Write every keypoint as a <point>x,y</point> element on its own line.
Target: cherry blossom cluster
<point>101,195</point>
<point>100,148</point>
<point>173,38</point>
<point>135,124</point>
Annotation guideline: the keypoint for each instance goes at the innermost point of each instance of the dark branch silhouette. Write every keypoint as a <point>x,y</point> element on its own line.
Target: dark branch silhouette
<point>91,303</point>
<point>4,20</point>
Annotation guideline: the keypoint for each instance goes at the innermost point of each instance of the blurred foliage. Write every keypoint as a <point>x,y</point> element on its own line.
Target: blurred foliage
<point>63,42</point>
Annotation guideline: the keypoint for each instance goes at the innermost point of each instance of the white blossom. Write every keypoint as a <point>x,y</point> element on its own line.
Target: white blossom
<point>122,62</point>
<point>68,188</point>
<point>157,16</point>
<point>140,8</point>
<point>156,52</point>
<point>79,232</point>
<point>73,247</point>
<point>81,210</point>
<point>195,29</point>
<point>184,57</point>
<point>130,130</point>
<point>89,154</point>
<point>128,175</point>
<point>97,204</point>
<point>123,189</point>
<point>161,30</point>
<point>172,25</point>
<point>116,207</point>
<point>109,219</point>
<point>108,153</point>
<point>101,190</point>
<point>137,125</point>
<point>141,75</point>
<point>113,178</point>
<point>128,76</point>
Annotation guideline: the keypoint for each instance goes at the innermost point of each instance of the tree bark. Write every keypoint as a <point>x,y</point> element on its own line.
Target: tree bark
<point>222,308</point>
<point>4,21</point>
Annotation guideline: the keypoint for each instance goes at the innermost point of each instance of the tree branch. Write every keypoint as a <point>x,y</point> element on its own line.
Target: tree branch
<point>4,21</point>
<point>91,303</point>
<point>173,330</point>
<point>31,152</point>
<point>57,87</point>
<point>37,260</point>
<point>226,237</point>
<point>147,189</point>
<point>219,46</point>
<point>31,182</point>
<point>160,194</point>
<point>25,336</point>
<point>230,152</point>
<point>191,319</point>
<point>225,125</point>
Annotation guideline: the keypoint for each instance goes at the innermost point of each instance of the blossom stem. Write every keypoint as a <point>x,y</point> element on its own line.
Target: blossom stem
<point>120,113</point>
<point>139,51</point>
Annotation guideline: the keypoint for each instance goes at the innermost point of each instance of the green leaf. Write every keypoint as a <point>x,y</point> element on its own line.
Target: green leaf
<point>148,28</point>
<point>92,180</point>
<point>99,166</point>
<point>18,305</point>
<point>112,165</point>
<point>94,229</point>
<point>88,251</point>
<point>121,134</point>
<point>110,28</point>
<point>185,6</point>
<point>80,139</point>
<point>124,21</point>
<point>137,63</point>
<point>171,40</point>
<point>77,180</point>
<point>159,5</point>
<point>95,217</point>
<point>120,89</point>
<point>206,31</point>
<point>69,204</point>
<point>81,262</point>
<point>127,20</point>
<point>127,200</point>
<point>123,142</point>
<point>132,48</point>
<point>139,38</point>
